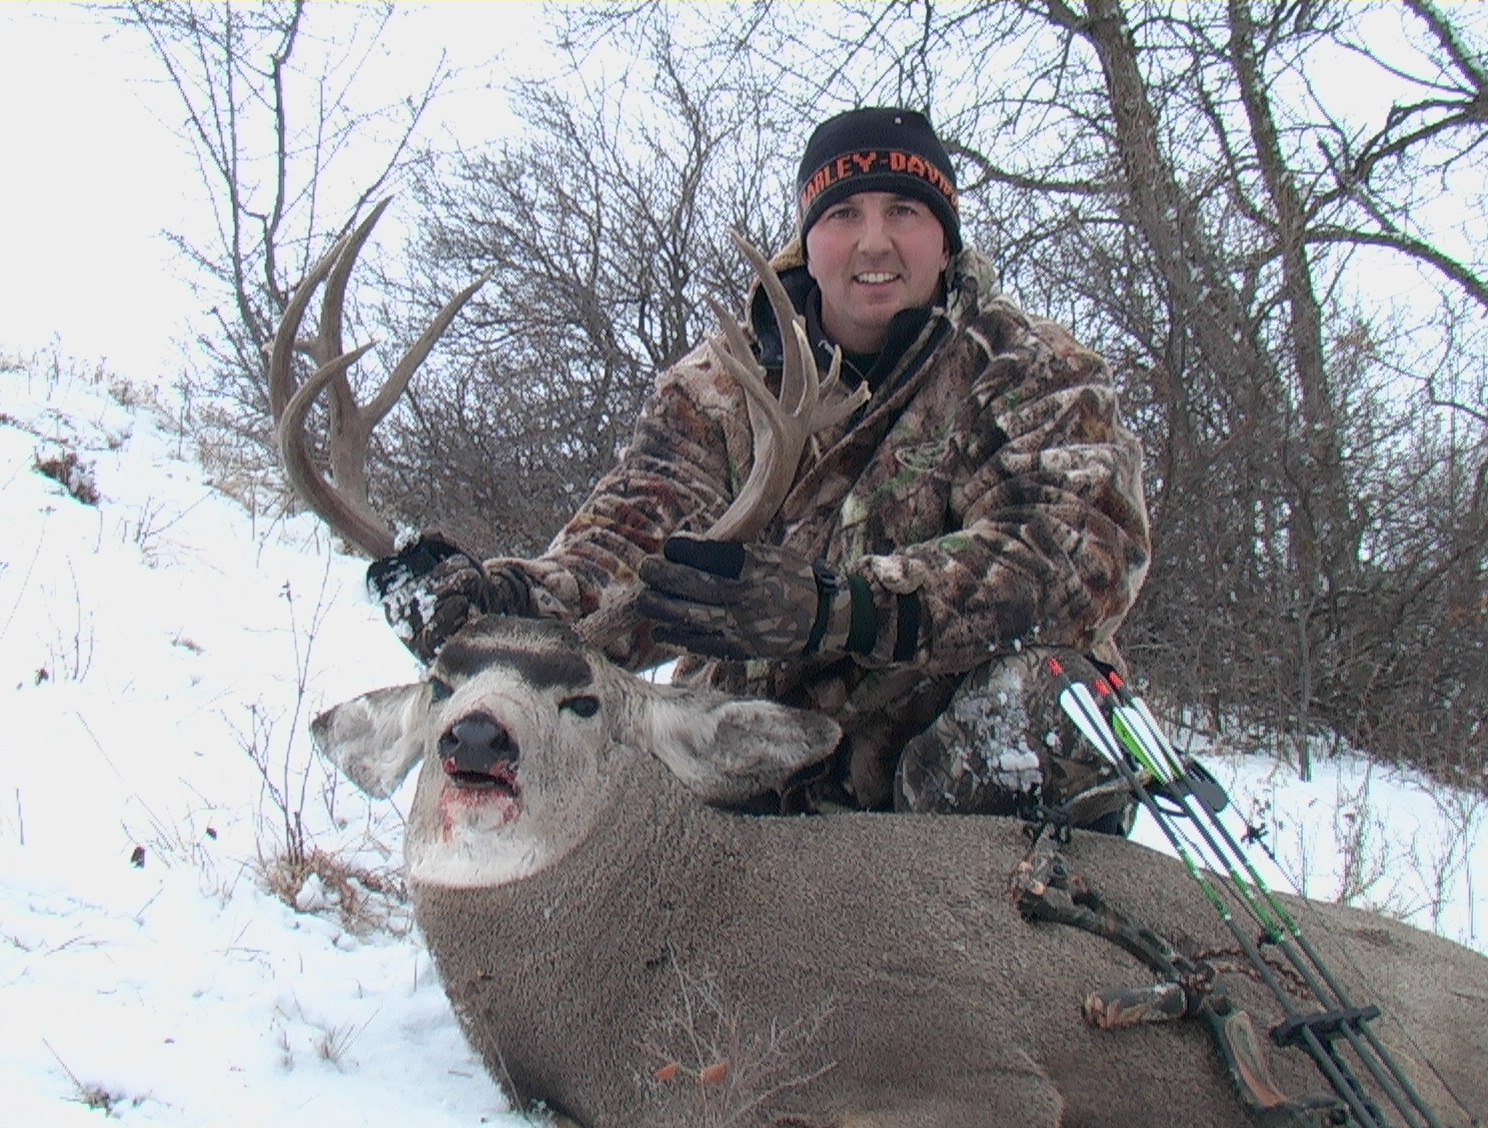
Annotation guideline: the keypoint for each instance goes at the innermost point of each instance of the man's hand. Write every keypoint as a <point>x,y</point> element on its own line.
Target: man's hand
<point>740,601</point>
<point>432,588</point>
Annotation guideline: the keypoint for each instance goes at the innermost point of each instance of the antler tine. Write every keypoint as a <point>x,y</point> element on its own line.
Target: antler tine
<point>801,381</point>
<point>342,501</point>
<point>347,513</point>
<point>823,414</point>
<point>793,377</point>
<point>398,382</point>
<point>750,377</point>
<point>283,346</point>
<point>325,346</point>
<point>782,426</point>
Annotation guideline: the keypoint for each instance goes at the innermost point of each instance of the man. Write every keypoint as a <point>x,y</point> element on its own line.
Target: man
<point>982,511</point>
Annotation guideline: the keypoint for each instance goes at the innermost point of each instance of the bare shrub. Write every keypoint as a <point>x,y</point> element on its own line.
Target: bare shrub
<point>1461,816</point>
<point>74,475</point>
<point>1365,855</point>
<point>70,654</point>
<point>291,864</point>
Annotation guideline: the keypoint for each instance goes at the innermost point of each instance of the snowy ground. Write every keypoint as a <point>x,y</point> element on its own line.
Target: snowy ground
<point>160,652</point>
<point>146,643</point>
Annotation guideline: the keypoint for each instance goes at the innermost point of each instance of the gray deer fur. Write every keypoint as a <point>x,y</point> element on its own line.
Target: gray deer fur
<point>608,938</point>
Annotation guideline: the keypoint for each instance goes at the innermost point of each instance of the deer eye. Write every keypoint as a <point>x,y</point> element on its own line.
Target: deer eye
<point>439,690</point>
<point>584,705</point>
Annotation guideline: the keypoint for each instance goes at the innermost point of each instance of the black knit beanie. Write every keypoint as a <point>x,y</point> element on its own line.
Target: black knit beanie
<point>878,149</point>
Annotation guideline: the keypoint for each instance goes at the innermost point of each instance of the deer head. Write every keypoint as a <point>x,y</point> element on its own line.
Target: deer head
<point>523,733</point>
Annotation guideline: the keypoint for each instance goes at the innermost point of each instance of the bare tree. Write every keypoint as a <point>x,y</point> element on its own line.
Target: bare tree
<point>1199,193</point>
<point>287,149</point>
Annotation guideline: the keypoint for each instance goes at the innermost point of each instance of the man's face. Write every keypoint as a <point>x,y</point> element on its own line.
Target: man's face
<point>874,254</point>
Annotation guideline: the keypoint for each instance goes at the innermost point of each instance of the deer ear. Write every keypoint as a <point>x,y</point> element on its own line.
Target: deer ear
<point>728,749</point>
<point>376,738</point>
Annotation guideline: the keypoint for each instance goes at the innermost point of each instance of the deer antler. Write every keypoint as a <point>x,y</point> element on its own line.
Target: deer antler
<point>781,426</point>
<point>342,500</point>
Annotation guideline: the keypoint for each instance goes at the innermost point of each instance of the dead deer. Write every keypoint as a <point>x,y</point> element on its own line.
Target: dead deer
<point>625,950</point>
<point>629,954</point>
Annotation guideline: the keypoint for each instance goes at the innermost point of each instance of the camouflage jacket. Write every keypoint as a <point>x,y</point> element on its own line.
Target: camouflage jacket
<point>989,478</point>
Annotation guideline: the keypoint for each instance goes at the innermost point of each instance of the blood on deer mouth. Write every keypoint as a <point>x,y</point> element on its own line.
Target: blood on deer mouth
<point>500,777</point>
<point>482,796</point>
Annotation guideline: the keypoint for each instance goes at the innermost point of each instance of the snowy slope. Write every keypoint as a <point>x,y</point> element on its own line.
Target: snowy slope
<point>145,641</point>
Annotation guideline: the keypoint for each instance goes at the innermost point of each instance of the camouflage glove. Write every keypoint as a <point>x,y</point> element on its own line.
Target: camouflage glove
<point>432,588</point>
<point>740,601</point>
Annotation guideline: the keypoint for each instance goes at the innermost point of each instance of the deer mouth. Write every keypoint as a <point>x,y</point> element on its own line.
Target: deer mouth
<point>479,758</point>
<point>479,798</point>
<point>500,778</point>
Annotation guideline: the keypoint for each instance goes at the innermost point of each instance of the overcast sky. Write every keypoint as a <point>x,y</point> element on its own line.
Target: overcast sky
<point>91,174</point>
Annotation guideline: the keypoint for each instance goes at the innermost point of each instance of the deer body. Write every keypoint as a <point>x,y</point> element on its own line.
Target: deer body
<point>595,922</point>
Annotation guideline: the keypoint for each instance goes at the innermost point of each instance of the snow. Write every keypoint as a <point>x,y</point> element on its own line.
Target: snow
<point>161,652</point>
<point>145,643</point>
<point>1369,835</point>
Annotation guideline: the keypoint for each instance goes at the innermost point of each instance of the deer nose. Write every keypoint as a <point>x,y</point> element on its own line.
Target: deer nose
<point>477,743</point>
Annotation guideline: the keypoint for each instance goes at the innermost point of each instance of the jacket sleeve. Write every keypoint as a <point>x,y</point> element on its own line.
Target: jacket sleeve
<point>676,473</point>
<point>1050,542</point>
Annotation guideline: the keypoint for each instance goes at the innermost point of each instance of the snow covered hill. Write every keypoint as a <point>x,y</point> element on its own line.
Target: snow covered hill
<point>154,642</point>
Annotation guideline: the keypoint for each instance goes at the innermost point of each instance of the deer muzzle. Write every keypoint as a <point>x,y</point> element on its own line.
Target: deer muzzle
<point>478,753</point>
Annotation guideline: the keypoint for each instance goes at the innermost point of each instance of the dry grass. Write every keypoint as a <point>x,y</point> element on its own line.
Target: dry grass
<point>71,473</point>
<point>92,1094</point>
<point>366,900</point>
